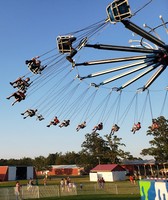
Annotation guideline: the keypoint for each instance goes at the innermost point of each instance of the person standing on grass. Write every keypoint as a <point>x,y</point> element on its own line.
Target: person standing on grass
<point>131,179</point>
<point>102,182</point>
<point>62,184</point>
<point>45,181</point>
<point>18,191</point>
<point>81,186</point>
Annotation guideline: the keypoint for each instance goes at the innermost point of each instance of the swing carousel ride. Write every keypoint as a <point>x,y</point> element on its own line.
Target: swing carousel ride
<point>71,90</point>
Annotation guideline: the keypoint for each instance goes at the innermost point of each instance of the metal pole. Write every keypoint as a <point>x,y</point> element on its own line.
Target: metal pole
<point>145,171</point>
<point>136,29</point>
<point>124,74</point>
<point>122,48</point>
<point>114,60</point>
<point>115,69</point>
<point>155,76</point>
<point>139,76</point>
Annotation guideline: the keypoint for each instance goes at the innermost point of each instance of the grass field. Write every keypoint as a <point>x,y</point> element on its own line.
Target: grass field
<point>120,190</point>
<point>97,197</point>
<point>92,197</point>
<point>50,181</point>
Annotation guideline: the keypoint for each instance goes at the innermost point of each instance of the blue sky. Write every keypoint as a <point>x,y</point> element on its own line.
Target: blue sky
<point>30,28</point>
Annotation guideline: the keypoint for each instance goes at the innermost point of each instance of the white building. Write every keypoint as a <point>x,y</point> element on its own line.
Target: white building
<point>109,172</point>
<point>11,173</point>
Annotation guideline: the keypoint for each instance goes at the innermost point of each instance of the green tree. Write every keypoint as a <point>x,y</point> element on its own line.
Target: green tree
<point>99,150</point>
<point>93,148</point>
<point>87,161</point>
<point>115,153</point>
<point>25,161</point>
<point>159,143</point>
<point>70,158</point>
<point>51,159</point>
<point>13,162</point>
<point>3,162</point>
<point>94,144</point>
<point>40,163</point>
<point>60,160</point>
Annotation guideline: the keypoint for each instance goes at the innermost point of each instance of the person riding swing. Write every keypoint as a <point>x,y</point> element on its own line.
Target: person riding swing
<point>136,127</point>
<point>81,126</point>
<point>35,65</point>
<point>54,122</point>
<point>114,129</point>
<point>98,127</point>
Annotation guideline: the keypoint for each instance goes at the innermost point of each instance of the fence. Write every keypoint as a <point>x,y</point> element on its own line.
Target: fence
<point>56,191</point>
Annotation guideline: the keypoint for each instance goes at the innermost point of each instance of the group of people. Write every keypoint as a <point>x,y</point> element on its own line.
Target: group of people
<point>66,185</point>
<point>32,113</point>
<point>23,83</point>
<point>82,125</point>
<point>98,127</point>
<point>101,182</point>
<point>65,123</point>
<point>35,67</point>
<point>137,126</point>
<point>56,121</point>
<point>18,187</point>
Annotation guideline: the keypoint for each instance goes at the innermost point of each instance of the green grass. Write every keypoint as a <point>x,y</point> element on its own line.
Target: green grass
<point>126,190</point>
<point>54,180</point>
<point>97,197</point>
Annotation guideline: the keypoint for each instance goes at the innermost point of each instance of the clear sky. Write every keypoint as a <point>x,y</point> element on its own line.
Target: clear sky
<point>30,28</point>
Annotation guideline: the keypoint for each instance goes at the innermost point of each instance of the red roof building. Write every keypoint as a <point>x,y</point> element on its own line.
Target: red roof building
<point>67,170</point>
<point>109,172</point>
<point>108,168</point>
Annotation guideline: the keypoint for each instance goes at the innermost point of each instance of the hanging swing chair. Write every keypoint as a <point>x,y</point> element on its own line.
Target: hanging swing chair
<point>118,10</point>
<point>64,43</point>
